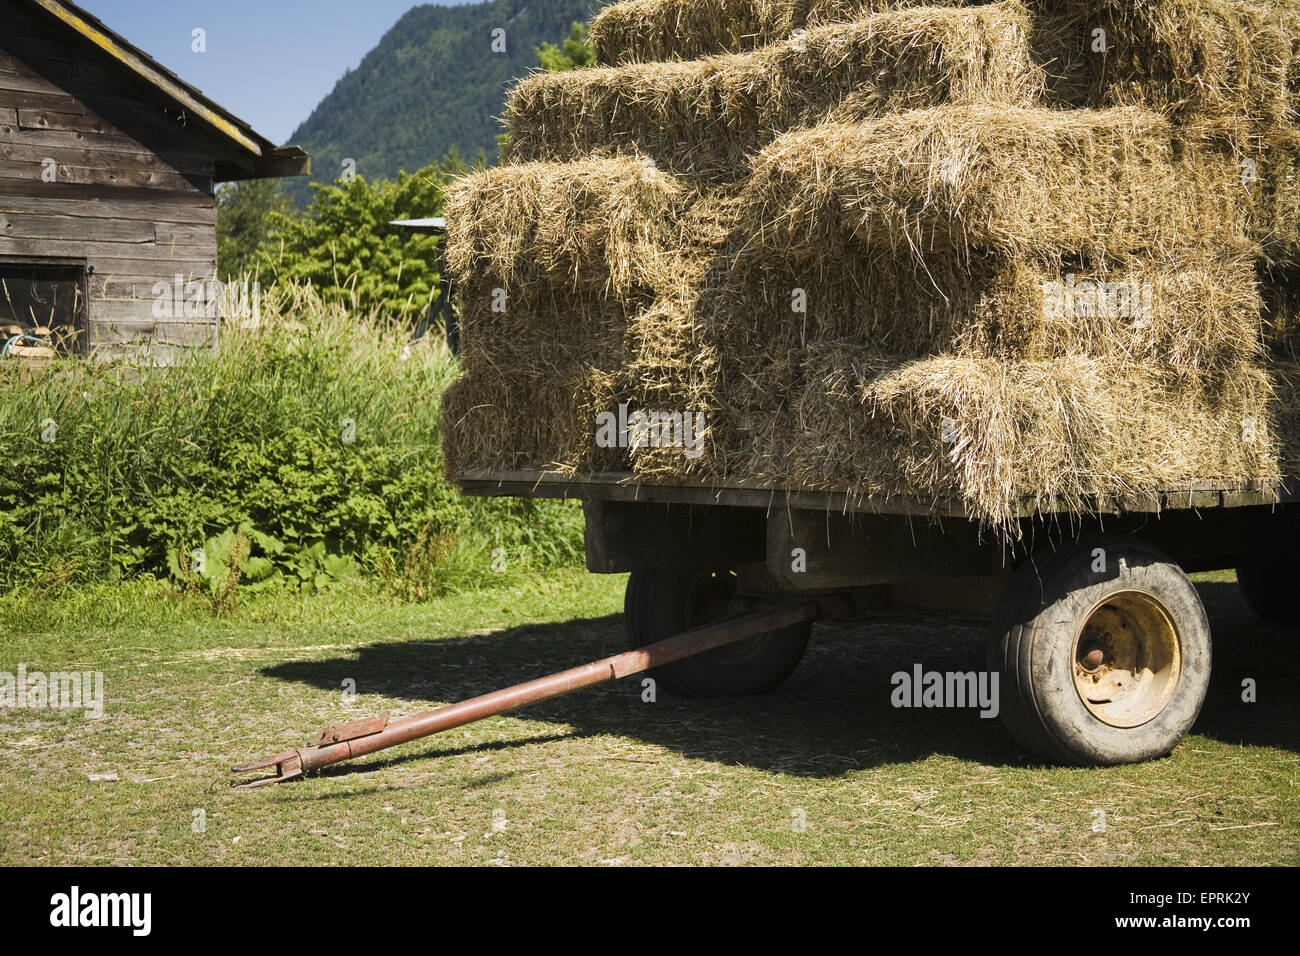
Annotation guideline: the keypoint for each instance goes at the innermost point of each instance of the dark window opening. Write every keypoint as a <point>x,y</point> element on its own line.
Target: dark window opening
<point>42,310</point>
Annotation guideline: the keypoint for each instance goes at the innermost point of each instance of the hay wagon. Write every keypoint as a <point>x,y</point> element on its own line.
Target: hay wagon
<point>990,318</point>
<point>993,311</point>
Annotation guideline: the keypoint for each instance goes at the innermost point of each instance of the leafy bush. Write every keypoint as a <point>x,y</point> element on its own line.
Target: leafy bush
<point>316,434</point>
<point>573,54</point>
<point>346,248</point>
<point>243,220</point>
<point>215,585</point>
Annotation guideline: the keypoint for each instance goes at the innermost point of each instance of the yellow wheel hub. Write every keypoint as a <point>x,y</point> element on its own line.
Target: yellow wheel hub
<point>1127,659</point>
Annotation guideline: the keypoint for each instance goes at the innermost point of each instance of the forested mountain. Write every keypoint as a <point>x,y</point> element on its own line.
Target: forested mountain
<point>437,80</point>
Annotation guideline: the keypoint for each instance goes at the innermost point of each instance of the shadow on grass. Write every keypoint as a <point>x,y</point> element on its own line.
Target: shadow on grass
<point>1246,647</point>
<point>833,715</point>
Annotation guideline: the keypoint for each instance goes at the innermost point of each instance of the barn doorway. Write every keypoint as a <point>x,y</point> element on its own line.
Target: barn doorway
<point>43,308</point>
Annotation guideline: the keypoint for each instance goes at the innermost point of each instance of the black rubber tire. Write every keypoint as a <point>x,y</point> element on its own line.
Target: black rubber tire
<point>666,601</point>
<point>1269,590</point>
<point>1032,648</point>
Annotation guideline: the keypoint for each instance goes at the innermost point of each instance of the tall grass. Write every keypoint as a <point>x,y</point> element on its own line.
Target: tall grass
<point>317,429</point>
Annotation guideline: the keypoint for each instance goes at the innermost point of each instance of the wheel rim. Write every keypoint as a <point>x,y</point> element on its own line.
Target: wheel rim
<point>1127,659</point>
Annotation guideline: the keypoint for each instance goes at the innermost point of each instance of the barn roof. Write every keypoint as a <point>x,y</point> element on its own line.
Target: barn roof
<point>259,157</point>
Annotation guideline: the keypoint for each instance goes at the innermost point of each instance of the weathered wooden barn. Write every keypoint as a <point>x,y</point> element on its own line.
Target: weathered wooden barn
<point>108,164</point>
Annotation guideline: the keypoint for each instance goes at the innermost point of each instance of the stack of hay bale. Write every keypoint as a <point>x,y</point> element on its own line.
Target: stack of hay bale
<point>1016,254</point>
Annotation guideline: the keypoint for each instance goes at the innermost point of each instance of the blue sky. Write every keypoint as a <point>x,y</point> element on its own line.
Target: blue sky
<point>268,61</point>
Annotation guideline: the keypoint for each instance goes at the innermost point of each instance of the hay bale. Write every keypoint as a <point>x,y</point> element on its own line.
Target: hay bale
<point>1026,183</point>
<point>1285,378</point>
<point>675,366</point>
<point>638,31</point>
<point>1008,438</point>
<point>727,344</point>
<point>642,31</point>
<point>601,223</point>
<point>1225,66</point>
<point>734,350</point>
<point>1001,438</point>
<point>1219,58</point>
<point>839,415</point>
<point>1198,312</point>
<point>942,351</point>
<point>1272,182</point>
<point>1225,73</point>
<point>526,409</point>
<point>1280,292</point>
<point>706,117</point>
<point>542,317</point>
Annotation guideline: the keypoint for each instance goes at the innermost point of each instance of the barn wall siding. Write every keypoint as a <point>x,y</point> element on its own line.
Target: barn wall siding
<point>132,190</point>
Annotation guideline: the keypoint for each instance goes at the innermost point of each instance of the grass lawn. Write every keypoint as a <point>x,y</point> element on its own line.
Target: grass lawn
<point>823,771</point>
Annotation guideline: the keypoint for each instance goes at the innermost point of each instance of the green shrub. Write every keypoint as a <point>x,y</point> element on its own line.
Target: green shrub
<point>346,247</point>
<point>316,434</point>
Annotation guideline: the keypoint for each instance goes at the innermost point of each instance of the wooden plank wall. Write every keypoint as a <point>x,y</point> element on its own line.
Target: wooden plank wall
<point>132,189</point>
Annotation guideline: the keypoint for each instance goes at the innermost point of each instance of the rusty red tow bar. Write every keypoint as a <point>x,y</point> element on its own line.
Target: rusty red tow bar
<point>339,742</point>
